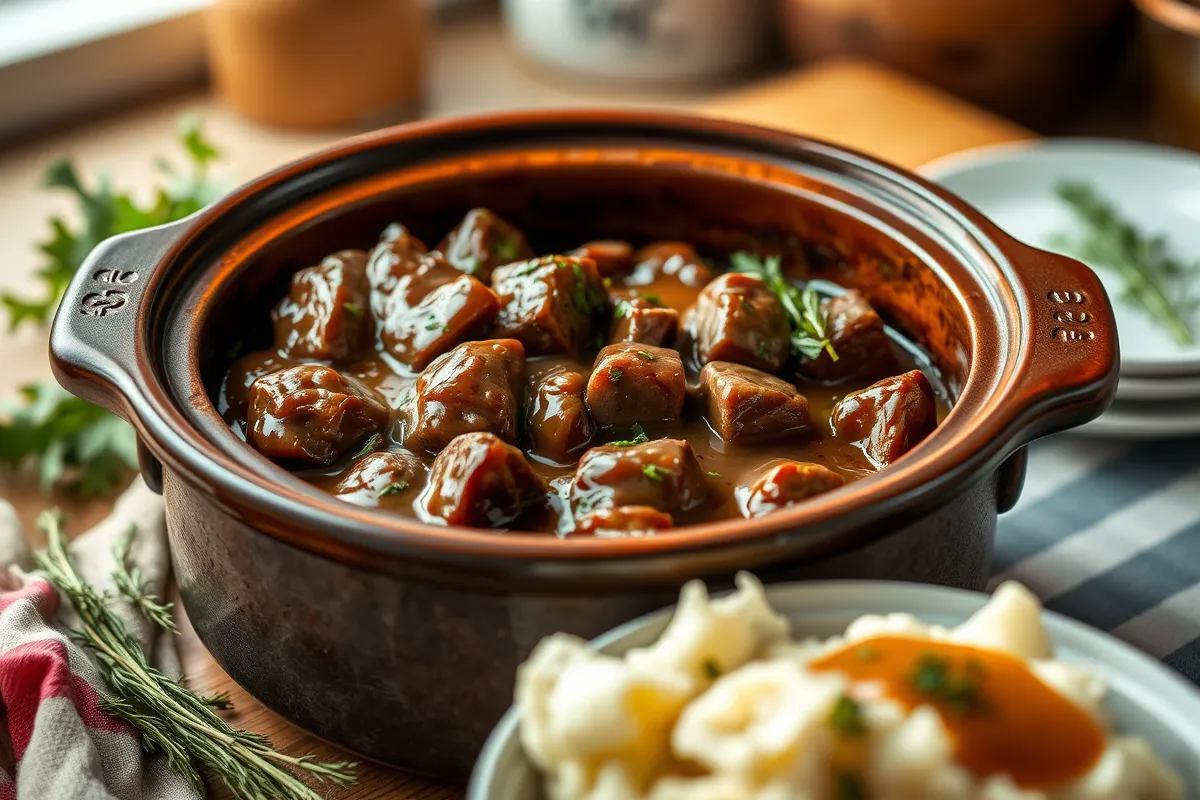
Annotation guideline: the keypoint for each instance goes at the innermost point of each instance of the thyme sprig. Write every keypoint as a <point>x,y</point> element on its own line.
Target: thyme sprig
<point>809,322</point>
<point>170,717</point>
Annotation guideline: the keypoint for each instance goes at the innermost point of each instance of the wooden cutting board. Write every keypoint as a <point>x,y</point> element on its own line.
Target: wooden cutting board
<point>852,103</point>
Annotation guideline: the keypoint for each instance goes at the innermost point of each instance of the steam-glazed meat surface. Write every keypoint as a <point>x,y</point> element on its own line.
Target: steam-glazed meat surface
<point>310,415</point>
<point>743,403</point>
<point>889,418</point>
<point>610,389</point>
<point>480,481</point>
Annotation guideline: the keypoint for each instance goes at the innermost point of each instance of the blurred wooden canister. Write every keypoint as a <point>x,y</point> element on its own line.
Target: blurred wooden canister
<point>318,63</point>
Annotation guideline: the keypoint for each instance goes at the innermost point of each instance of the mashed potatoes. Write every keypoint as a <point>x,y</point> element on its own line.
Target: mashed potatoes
<point>725,706</point>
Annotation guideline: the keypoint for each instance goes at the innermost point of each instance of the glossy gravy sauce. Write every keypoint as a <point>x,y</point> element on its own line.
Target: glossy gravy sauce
<point>1000,716</point>
<point>729,467</point>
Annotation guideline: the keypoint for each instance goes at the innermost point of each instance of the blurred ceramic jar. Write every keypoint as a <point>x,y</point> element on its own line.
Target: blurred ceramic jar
<point>318,63</point>
<point>1027,59</point>
<point>675,41</point>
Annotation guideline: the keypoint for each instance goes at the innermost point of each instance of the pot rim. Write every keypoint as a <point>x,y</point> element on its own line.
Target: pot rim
<point>1034,385</point>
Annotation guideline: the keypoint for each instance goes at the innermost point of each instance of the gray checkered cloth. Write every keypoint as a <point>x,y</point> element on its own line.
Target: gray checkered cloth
<point>1109,533</point>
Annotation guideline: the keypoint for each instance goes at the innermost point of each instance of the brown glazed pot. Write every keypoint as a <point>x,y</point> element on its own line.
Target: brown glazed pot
<point>400,640</point>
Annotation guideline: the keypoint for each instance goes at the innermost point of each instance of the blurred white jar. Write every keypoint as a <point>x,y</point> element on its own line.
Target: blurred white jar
<point>642,40</point>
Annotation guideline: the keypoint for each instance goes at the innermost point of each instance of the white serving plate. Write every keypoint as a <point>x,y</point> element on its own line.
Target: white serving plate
<point>1162,420</point>
<point>1158,389</point>
<point>1157,188</point>
<point>1145,697</point>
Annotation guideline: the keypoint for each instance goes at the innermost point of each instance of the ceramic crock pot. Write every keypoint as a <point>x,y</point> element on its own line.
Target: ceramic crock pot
<point>400,640</point>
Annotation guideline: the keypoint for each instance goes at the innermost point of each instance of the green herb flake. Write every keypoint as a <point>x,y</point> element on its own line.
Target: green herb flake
<point>369,445</point>
<point>639,437</point>
<point>712,474</point>
<point>644,356</point>
<point>655,472</point>
<point>764,349</point>
<point>808,320</point>
<point>469,264</point>
<point>846,718</point>
<point>653,298</point>
<point>528,269</point>
<point>711,668</point>
<point>614,375</point>
<point>620,309</point>
<point>433,326</point>
<point>606,283</point>
<point>393,488</point>
<point>506,249</point>
<point>353,309</point>
<point>958,691</point>
<point>867,653</point>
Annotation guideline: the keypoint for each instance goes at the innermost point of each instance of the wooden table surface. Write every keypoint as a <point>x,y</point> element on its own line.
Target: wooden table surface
<point>473,69</point>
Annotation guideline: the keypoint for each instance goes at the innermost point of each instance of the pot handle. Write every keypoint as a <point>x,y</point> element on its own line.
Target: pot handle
<point>1070,374</point>
<point>96,343</point>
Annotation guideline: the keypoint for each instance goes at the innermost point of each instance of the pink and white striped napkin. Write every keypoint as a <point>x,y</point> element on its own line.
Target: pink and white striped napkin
<point>55,742</point>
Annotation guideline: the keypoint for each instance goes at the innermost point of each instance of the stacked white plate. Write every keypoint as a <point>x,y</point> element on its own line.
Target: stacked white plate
<point>1155,188</point>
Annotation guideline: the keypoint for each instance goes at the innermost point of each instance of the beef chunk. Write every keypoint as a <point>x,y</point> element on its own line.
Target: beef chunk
<point>474,387</point>
<point>636,383</point>
<point>479,481</point>
<point>743,403</point>
<point>558,418</point>
<point>788,483</point>
<point>311,415</point>
<point>889,418</point>
<point>448,315</point>
<point>326,314</point>
<point>858,337</point>
<point>482,242</point>
<point>644,322</point>
<point>611,257</point>
<point>613,523</point>
<point>395,260</point>
<point>381,479</point>
<point>235,391</point>
<point>737,318</point>
<point>548,304</point>
<point>677,260</point>
<point>663,473</point>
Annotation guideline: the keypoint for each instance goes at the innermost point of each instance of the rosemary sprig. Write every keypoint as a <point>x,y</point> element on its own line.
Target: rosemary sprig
<point>1154,280</point>
<point>170,717</point>
<point>809,322</point>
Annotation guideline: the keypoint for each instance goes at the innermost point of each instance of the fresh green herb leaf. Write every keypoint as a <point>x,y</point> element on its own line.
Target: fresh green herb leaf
<point>959,691</point>
<point>809,323</point>
<point>393,488</point>
<point>69,439</point>
<point>168,715</point>
<point>639,437</point>
<point>433,326</point>
<point>846,718</point>
<point>711,668</point>
<point>620,309</point>
<point>353,309</point>
<point>652,298</point>
<point>506,249</point>
<point>644,356</point>
<point>369,445</point>
<point>614,375</point>
<point>655,472</point>
<point>528,269</point>
<point>1161,285</point>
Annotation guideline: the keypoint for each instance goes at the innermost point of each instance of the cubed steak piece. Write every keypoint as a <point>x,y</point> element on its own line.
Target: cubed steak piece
<point>789,483</point>
<point>447,316</point>
<point>856,332</point>
<point>548,303</point>
<point>623,521</point>
<point>889,418</point>
<point>737,318</point>
<point>644,322</point>
<point>677,260</point>
<point>481,482</point>
<point>381,479</point>
<point>559,425</point>
<point>326,314</point>
<point>662,474</point>
<point>612,257</point>
<point>482,242</point>
<point>636,383</point>
<point>311,415</point>
<point>400,261</point>
<point>744,404</point>
<point>475,387</point>
<point>235,390</point>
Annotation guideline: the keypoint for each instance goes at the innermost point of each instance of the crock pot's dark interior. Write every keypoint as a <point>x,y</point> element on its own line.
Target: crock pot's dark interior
<point>818,229</point>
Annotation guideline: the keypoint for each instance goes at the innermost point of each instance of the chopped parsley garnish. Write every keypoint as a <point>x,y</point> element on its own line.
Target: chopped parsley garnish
<point>614,375</point>
<point>433,326</point>
<point>846,718</point>
<point>406,398</point>
<point>711,668</point>
<point>352,309</point>
<point>369,445</point>
<point>934,678</point>
<point>579,292</point>
<point>639,437</point>
<point>747,306</point>
<point>655,472</point>
<point>644,356</point>
<point>393,488</point>
<point>712,474</point>
<point>848,786</point>
<point>620,309</point>
<point>506,248</point>
<point>529,268</point>
<point>653,298</point>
